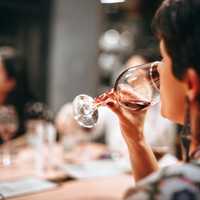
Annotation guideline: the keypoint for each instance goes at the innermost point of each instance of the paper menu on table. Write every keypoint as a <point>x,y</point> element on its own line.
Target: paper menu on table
<point>24,186</point>
<point>98,168</point>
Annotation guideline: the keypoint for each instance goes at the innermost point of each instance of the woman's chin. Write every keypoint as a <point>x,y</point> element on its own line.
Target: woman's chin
<point>163,113</point>
<point>172,116</point>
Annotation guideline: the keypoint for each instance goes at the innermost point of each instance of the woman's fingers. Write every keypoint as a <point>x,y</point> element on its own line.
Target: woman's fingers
<point>131,122</point>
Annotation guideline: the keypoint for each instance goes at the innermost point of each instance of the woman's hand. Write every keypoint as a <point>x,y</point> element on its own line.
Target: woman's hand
<point>131,122</point>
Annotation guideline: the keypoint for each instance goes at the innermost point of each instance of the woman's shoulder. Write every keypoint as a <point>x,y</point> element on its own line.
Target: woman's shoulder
<point>181,181</point>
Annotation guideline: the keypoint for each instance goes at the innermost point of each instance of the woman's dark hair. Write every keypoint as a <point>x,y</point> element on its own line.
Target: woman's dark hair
<point>14,66</point>
<point>177,23</point>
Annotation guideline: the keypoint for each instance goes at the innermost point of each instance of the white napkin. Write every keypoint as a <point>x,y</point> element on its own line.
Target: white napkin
<point>24,186</point>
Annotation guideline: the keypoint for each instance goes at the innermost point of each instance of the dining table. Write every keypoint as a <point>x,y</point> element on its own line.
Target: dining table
<point>109,187</point>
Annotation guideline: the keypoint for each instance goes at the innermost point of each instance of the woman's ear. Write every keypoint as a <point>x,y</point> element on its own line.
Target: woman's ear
<point>193,82</point>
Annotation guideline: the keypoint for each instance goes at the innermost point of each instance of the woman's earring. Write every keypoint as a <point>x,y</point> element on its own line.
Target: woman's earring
<point>186,132</point>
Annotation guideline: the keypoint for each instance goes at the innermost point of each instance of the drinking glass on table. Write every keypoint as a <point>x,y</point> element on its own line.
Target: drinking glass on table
<point>36,114</point>
<point>136,88</point>
<point>41,135</point>
<point>8,128</point>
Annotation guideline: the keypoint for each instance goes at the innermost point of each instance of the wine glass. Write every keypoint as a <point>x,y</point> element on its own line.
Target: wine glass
<point>36,113</point>
<point>8,127</point>
<point>136,88</point>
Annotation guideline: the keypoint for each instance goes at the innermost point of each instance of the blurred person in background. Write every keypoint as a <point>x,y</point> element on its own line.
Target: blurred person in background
<point>14,88</point>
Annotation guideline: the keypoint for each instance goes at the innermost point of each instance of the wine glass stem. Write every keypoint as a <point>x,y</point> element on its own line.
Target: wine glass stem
<point>6,156</point>
<point>102,103</point>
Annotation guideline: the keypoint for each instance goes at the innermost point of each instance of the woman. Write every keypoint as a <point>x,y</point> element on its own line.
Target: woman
<point>14,89</point>
<point>177,27</point>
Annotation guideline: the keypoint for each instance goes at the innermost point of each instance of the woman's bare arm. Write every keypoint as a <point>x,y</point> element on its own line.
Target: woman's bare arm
<point>141,155</point>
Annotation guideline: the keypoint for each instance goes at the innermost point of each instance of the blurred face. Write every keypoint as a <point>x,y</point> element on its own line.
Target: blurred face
<point>6,84</point>
<point>172,90</point>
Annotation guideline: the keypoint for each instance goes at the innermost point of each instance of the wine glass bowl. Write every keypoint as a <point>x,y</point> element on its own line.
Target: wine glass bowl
<point>137,87</point>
